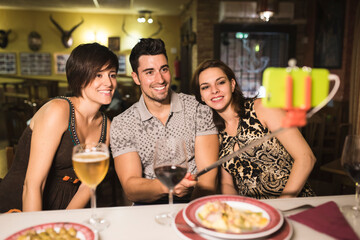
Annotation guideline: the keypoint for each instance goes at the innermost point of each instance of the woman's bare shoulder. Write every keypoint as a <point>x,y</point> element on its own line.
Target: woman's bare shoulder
<point>54,112</point>
<point>269,117</point>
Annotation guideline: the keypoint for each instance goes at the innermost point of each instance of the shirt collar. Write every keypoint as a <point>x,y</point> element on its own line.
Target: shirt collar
<point>175,106</point>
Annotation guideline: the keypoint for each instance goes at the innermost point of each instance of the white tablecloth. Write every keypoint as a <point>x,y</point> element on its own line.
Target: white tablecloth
<point>137,222</point>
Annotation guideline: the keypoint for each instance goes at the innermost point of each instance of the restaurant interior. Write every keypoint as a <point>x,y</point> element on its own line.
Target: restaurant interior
<point>36,38</point>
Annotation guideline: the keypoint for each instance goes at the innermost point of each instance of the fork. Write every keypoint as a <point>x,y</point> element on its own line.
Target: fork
<point>306,205</point>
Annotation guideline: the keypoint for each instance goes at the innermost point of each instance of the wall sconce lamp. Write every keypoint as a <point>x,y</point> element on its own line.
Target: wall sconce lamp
<point>266,9</point>
<point>145,16</point>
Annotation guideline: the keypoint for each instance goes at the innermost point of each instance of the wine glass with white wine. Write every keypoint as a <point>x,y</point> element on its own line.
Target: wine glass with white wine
<point>350,160</point>
<point>170,167</point>
<point>91,164</point>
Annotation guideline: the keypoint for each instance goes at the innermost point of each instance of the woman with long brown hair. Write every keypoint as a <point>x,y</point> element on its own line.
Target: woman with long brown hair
<point>280,166</point>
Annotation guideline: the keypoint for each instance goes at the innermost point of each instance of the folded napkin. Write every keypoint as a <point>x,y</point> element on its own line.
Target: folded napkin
<point>328,219</point>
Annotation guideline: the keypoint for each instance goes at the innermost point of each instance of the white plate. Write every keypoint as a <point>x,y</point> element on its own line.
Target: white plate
<point>187,233</point>
<point>83,232</point>
<point>275,218</point>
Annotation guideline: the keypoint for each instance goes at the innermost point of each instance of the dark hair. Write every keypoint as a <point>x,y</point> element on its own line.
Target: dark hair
<point>85,61</point>
<point>146,46</point>
<point>238,98</point>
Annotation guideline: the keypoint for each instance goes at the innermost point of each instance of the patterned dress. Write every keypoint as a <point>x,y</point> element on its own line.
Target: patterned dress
<point>61,183</point>
<point>261,172</point>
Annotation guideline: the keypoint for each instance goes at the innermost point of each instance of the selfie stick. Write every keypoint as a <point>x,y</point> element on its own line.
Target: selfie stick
<point>236,153</point>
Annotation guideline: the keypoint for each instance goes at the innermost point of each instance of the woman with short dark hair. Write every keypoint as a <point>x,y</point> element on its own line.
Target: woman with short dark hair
<point>42,177</point>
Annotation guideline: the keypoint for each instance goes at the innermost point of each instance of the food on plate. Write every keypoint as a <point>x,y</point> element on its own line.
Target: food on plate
<point>224,218</point>
<point>50,234</point>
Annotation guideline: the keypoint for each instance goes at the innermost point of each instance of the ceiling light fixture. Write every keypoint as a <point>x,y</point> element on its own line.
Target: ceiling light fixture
<point>141,19</point>
<point>266,9</point>
<point>145,16</point>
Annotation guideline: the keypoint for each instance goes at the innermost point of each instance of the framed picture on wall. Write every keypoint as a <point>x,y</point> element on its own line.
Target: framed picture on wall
<point>60,62</point>
<point>114,43</point>
<point>35,63</point>
<point>7,63</point>
<point>329,33</point>
<point>122,64</point>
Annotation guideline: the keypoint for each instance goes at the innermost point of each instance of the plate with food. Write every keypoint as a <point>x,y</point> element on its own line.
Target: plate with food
<point>232,217</point>
<point>188,233</point>
<point>56,230</point>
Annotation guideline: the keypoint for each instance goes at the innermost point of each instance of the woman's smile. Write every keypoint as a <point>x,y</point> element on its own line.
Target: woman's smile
<point>217,98</point>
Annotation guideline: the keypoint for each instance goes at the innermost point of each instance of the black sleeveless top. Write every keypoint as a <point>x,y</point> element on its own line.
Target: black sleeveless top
<point>61,184</point>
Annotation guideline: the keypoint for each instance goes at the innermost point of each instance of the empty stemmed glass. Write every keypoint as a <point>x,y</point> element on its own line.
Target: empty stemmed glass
<point>91,164</point>
<point>350,160</point>
<point>170,167</point>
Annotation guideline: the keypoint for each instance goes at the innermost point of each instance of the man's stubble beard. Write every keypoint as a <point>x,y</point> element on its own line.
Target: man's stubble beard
<point>159,100</point>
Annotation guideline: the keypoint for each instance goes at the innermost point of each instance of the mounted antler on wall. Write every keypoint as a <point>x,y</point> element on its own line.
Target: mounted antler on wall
<point>66,38</point>
<point>4,38</point>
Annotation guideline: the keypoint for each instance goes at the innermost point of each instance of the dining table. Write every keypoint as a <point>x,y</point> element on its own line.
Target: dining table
<point>138,222</point>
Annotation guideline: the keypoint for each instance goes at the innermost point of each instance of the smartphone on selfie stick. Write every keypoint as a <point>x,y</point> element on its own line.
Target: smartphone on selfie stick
<point>297,90</point>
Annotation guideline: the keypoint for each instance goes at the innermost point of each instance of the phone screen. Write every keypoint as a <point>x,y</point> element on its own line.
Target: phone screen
<point>274,81</point>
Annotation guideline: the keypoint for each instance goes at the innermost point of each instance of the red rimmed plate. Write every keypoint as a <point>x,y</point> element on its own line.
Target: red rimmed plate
<point>275,218</point>
<point>187,233</point>
<point>83,232</point>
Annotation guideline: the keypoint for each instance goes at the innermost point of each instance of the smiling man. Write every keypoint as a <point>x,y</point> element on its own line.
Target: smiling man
<point>158,114</point>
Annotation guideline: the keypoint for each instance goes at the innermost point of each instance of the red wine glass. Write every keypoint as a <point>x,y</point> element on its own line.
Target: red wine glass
<point>170,167</point>
<point>350,160</point>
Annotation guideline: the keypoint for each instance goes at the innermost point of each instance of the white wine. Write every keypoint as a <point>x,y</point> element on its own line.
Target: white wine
<point>91,168</point>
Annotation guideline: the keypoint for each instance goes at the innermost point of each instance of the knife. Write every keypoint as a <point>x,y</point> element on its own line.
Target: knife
<point>236,153</point>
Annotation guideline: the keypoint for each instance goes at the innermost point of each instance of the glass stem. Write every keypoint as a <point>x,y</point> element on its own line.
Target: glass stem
<point>171,201</point>
<point>93,202</point>
<point>357,196</point>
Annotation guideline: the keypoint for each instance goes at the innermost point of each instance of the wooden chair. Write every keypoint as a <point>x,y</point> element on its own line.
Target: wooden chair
<point>337,127</point>
<point>16,117</point>
<point>340,180</point>
<point>7,157</point>
<point>10,153</point>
